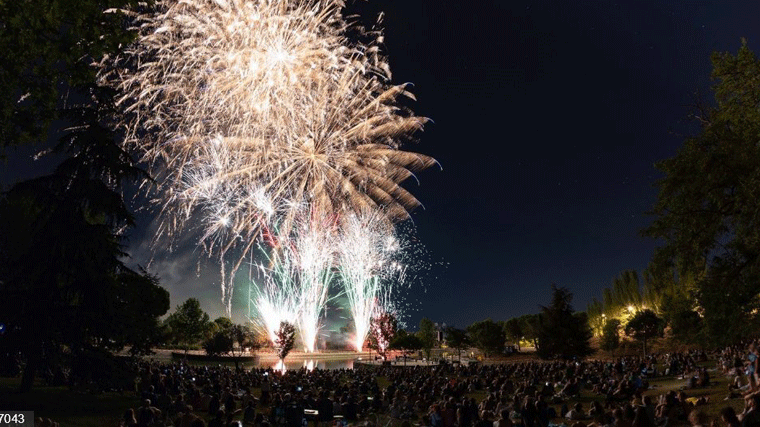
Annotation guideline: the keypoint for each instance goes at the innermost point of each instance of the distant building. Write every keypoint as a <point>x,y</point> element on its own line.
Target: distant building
<point>440,332</point>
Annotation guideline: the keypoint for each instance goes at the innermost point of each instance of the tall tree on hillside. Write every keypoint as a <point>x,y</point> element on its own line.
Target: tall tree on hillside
<point>563,333</point>
<point>626,289</point>
<point>596,316</point>
<point>530,326</point>
<point>708,209</point>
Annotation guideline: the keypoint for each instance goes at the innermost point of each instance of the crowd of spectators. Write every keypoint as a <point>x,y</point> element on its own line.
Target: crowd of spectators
<point>528,394</point>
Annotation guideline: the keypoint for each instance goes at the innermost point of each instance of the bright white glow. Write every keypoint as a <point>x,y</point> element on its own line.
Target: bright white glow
<point>247,110</point>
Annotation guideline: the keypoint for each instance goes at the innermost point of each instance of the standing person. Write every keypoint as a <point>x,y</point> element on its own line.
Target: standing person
<point>324,409</point>
<point>218,420</point>
<point>249,413</point>
<point>450,413</point>
<point>294,412</point>
<point>266,387</point>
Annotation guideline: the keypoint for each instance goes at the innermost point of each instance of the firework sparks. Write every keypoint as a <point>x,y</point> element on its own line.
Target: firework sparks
<point>369,270</point>
<point>298,277</point>
<point>313,246</point>
<point>275,299</point>
<point>247,110</point>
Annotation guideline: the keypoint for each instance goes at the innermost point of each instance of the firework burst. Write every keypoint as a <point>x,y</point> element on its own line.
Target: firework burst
<point>247,110</point>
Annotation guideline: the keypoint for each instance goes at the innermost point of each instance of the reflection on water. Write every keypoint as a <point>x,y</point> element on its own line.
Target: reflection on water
<point>309,364</point>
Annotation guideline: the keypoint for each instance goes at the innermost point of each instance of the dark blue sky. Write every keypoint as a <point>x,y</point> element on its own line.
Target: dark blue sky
<point>549,116</point>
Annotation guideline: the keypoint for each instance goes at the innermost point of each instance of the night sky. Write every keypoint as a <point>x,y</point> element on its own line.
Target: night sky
<point>548,119</point>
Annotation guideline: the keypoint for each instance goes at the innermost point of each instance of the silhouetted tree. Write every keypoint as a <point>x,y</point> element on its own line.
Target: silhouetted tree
<point>189,323</point>
<point>405,342</point>
<point>563,333</point>
<point>381,331</point>
<point>610,335</point>
<point>220,342</point>
<point>47,50</point>
<point>707,209</point>
<point>514,331</point>
<point>487,336</point>
<point>426,335</point>
<point>286,339</point>
<point>62,279</point>
<point>458,339</point>
<point>644,326</point>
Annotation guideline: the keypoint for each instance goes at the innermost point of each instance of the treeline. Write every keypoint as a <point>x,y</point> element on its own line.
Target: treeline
<point>704,280</point>
<point>557,331</point>
<point>671,296</point>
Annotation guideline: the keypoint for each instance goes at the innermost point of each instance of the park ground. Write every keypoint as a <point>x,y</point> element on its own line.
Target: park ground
<point>103,410</point>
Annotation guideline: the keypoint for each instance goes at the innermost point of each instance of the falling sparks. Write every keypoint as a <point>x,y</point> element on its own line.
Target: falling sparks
<point>245,111</point>
<point>369,270</point>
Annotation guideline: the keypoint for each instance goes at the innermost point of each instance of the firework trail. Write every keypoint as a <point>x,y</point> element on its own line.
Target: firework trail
<point>369,269</point>
<point>298,274</point>
<point>275,298</point>
<point>247,110</point>
<point>313,246</point>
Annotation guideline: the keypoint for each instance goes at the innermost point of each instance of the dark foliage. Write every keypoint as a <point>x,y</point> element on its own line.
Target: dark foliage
<point>488,336</point>
<point>644,326</point>
<point>563,333</point>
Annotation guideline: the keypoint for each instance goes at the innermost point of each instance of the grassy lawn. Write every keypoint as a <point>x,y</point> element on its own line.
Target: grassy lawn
<point>103,410</point>
<point>64,406</point>
<point>716,393</point>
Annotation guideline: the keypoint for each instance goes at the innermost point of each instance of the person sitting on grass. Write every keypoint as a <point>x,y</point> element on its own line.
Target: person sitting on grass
<point>751,414</point>
<point>484,420</point>
<point>598,420</point>
<point>729,418</point>
<point>185,417</point>
<point>503,420</point>
<point>576,413</point>
<point>147,415</point>
<point>129,419</point>
<point>249,413</point>
<point>698,419</point>
<point>436,416</point>
<point>620,420</point>
<point>218,420</point>
<point>641,419</point>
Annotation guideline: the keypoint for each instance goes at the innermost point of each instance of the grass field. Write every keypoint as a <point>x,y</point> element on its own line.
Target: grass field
<point>64,406</point>
<point>104,410</point>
